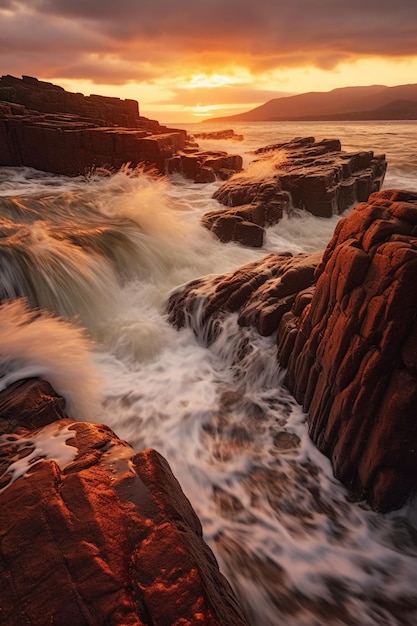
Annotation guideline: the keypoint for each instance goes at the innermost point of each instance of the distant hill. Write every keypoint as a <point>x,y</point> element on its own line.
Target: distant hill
<point>375,102</point>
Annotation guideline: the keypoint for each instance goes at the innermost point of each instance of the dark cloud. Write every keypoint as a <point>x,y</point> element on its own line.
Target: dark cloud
<point>74,38</point>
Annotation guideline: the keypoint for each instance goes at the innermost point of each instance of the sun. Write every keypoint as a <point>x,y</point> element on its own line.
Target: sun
<point>208,80</point>
<point>201,110</point>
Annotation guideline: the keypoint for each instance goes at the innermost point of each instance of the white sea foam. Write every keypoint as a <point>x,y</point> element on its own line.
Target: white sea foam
<point>49,443</point>
<point>282,527</point>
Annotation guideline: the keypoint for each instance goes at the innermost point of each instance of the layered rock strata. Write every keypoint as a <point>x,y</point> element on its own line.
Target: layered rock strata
<point>93,533</point>
<point>66,144</point>
<point>44,97</point>
<point>347,334</point>
<point>303,174</point>
<point>50,129</point>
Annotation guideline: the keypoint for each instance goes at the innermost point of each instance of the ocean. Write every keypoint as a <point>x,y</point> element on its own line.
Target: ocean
<point>100,255</point>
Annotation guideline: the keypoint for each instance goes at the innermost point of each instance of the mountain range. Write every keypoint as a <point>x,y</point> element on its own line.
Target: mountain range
<point>375,102</point>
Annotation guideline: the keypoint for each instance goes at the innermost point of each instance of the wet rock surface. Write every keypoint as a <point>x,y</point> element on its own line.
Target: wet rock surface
<point>260,292</point>
<point>304,174</point>
<point>229,133</point>
<point>93,533</point>
<point>347,334</point>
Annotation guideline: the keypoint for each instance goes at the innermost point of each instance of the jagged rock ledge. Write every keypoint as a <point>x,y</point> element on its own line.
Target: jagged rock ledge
<point>47,128</point>
<point>304,174</point>
<point>94,533</point>
<point>347,333</point>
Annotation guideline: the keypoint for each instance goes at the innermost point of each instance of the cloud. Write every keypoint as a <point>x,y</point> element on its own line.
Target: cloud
<point>128,40</point>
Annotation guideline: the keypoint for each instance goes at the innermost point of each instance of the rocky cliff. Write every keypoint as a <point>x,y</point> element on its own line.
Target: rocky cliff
<point>346,332</point>
<point>47,128</point>
<point>44,127</point>
<point>93,533</point>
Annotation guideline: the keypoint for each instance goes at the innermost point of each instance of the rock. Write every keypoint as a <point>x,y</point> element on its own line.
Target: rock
<point>304,174</point>
<point>261,292</point>
<point>78,133</point>
<point>220,135</point>
<point>353,365</point>
<point>204,166</point>
<point>29,405</point>
<point>347,334</point>
<point>228,225</point>
<point>94,533</point>
<point>44,97</point>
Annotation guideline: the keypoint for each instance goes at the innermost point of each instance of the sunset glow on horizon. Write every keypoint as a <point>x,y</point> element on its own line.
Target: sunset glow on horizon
<point>191,61</point>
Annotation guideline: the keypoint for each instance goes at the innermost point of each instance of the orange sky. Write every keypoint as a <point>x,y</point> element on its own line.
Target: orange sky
<point>185,61</point>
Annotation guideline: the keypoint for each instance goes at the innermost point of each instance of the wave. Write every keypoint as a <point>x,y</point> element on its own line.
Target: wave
<point>36,344</point>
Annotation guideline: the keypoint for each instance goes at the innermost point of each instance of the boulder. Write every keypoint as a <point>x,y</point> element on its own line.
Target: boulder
<point>302,174</point>
<point>204,166</point>
<point>347,334</point>
<point>246,223</point>
<point>93,533</point>
<point>260,292</point>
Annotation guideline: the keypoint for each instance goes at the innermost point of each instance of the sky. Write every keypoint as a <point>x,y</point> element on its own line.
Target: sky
<point>189,60</point>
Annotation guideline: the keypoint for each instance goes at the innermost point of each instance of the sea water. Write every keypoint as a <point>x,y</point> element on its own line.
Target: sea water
<point>103,253</point>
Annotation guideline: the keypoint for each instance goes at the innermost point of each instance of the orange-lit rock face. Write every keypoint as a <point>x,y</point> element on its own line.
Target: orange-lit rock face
<point>354,365</point>
<point>100,535</point>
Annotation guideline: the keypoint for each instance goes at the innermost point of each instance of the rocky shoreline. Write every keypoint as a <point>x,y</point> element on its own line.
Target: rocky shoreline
<point>47,128</point>
<point>111,529</point>
<point>316,176</point>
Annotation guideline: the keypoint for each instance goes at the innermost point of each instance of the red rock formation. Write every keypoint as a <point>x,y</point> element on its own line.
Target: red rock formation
<point>349,343</point>
<point>302,173</point>
<point>353,365</point>
<point>108,537</point>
